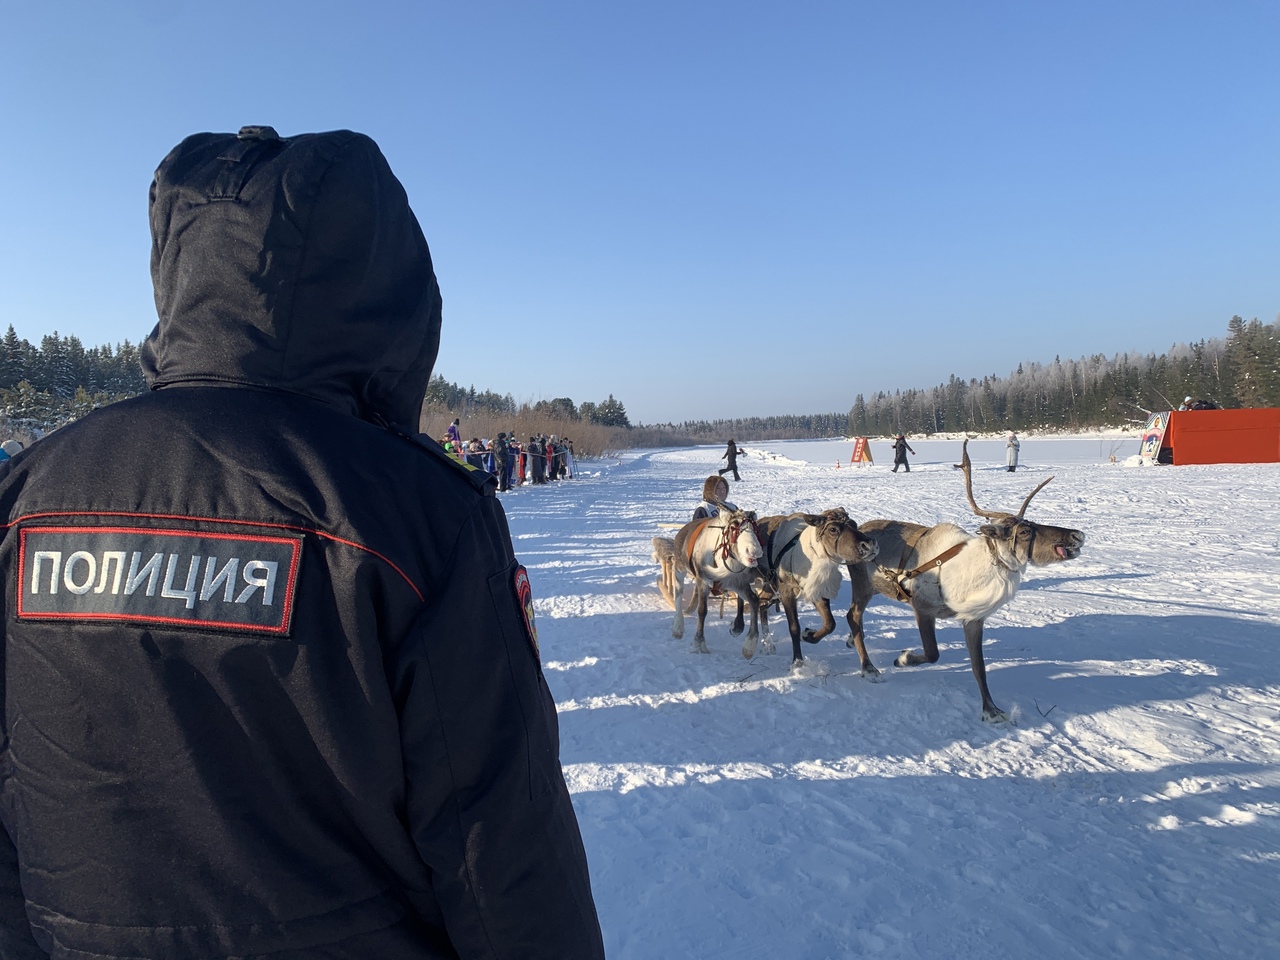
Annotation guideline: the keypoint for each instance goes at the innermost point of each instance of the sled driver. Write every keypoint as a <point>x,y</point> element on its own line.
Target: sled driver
<point>270,680</point>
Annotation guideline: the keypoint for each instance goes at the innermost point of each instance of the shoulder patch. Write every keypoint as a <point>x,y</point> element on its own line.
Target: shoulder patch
<point>184,578</point>
<point>524,594</point>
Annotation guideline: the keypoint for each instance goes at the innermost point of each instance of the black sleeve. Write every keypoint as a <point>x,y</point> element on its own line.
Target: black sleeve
<point>16,941</point>
<point>487,803</point>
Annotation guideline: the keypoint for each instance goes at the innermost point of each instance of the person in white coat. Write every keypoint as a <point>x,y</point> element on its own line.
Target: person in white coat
<point>1011,448</point>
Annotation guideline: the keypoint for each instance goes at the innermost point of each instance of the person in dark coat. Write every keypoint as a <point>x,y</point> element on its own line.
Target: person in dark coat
<point>513,459</point>
<point>900,450</point>
<point>249,703</point>
<point>732,456</point>
<point>500,455</point>
<point>537,460</point>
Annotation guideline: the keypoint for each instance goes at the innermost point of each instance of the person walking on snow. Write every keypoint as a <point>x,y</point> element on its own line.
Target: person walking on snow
<point>732,456</point>
<point>900,450</point>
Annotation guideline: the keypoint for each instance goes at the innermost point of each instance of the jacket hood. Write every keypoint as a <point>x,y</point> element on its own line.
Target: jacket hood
<point>294,265</point>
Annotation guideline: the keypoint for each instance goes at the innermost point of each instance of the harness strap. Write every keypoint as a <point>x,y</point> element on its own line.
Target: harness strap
<point>774,561</point>
<point>693,542</point>
<point>937,561</point>
<point>899,579</point>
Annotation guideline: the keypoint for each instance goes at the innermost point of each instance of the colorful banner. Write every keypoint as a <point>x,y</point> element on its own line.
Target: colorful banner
<point>1153,435</point>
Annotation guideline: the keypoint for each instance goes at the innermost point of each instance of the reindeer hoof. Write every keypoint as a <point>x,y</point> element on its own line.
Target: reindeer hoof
<point>699,646</point>
<point>904,659</point>
<point>994,714</point>
<point>808,636</point>
<point>872,674</point>
<point>735,630</point>
<point>797,665</point>
<point>768,647</point>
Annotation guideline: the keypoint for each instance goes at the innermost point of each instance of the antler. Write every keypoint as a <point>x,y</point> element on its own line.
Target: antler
<point>1029,496</point>
<point>967,466</point>
<point>968,489</point>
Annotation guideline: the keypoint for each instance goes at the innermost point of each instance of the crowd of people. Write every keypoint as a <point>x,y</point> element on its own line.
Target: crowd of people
<point>541,459</point>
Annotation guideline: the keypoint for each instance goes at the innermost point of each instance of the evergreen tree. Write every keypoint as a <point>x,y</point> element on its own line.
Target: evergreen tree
<point>611,413</point>
<point>13,354</point>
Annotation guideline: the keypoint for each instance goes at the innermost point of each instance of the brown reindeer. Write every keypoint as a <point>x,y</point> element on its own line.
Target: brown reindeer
<point>803,554</point>
<point>942,571</point>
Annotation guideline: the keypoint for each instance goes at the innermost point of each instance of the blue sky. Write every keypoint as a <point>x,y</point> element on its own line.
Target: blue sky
<point>707,209</point>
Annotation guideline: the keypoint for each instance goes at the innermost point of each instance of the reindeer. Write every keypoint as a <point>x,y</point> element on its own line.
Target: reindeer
<point>803,556</point>
<point>716,551</point>
<point>942,571</point>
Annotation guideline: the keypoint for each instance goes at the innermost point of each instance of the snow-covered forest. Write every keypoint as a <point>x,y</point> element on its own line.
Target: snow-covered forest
<point>45,385</point>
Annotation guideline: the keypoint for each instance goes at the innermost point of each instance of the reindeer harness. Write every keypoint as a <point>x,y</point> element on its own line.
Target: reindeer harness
<point>728,538</point>
<point>899,578</point>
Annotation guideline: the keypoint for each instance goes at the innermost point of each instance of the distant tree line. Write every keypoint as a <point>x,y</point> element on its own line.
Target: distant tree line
<point>467,403</point>
<point>44,386</point>
<point>790,427</point>
<point>1241,371</point>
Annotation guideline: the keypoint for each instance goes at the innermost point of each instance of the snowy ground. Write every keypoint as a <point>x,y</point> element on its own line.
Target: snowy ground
<point>737,809</point>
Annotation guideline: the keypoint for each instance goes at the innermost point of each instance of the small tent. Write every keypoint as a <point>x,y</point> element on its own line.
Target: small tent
<point>1214,436</point>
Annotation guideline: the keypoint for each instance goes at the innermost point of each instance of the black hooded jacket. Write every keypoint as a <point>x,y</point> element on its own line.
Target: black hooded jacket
<point>270,684</point>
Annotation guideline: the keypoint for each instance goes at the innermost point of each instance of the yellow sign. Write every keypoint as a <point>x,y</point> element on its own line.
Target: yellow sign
<point>861,451</point>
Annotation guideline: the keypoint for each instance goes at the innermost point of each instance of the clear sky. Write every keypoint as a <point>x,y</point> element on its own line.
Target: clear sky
<point>707,209</point>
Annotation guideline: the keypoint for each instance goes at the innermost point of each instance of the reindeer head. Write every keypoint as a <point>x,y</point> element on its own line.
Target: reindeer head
<point>1017,539</point>
<point>840,536</point>
<point>742,537</point>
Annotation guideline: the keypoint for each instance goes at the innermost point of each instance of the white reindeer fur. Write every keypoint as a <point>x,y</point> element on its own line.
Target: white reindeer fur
<point>969,587</point>
<point>734,573</point>
<point>806,571</point>
<point>975,583</point>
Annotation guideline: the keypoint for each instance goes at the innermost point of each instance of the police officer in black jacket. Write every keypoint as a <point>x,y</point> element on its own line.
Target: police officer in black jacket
<point>270,679</point>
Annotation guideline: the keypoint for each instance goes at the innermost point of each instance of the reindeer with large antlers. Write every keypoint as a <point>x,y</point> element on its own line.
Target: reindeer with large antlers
<point>942,571</point>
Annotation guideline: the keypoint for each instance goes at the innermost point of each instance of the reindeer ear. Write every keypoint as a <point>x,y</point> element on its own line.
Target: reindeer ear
<point>813,519</point>
<point>994,531</point>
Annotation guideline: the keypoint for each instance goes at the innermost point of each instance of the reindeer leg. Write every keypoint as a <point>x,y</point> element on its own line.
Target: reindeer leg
<point>973,640</point>
<point>753,635</point>
<point>699,637</point>
<point>766,641</point>
<point>858,607</point>
<point>929,639</point>
<point>677,593</point>
<point>793,627</point>
<point>693,599</point>
<point>738,625</point>
<point>828,623</point>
